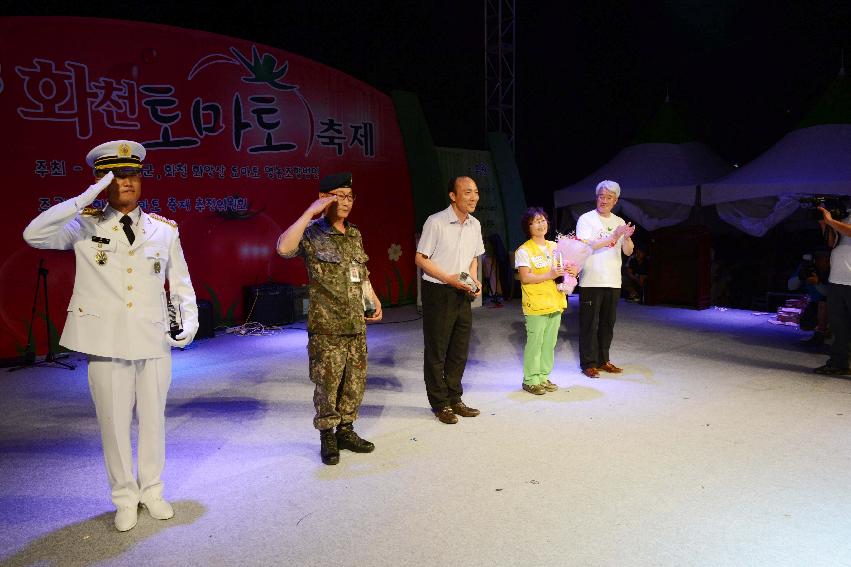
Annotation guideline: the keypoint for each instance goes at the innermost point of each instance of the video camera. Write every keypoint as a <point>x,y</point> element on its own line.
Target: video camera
<point>836,205</point>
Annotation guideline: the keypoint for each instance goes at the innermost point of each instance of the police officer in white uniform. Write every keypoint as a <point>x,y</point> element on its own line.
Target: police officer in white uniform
<point>118,316</point>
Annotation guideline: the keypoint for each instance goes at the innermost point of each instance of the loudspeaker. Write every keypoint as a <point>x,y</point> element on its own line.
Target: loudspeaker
<point>301,300</point>
<point>274,303</point>
<point>205,320</point>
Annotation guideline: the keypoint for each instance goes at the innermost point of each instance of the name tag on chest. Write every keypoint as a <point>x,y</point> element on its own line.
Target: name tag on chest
<point>540,261</point>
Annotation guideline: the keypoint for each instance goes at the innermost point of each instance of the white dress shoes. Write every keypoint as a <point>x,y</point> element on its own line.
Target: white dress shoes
<point>159,509</point>
<point>126,518</point>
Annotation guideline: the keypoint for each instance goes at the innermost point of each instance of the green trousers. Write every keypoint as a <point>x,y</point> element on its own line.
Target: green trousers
<point>539,354</point>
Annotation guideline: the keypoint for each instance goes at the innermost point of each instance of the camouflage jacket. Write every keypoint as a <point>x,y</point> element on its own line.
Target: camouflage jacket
<point>336,302</point>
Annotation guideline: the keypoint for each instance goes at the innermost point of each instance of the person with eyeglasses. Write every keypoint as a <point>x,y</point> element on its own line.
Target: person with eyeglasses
<point>543,303</point>
<point>118,317</point>
<point>342,301</point>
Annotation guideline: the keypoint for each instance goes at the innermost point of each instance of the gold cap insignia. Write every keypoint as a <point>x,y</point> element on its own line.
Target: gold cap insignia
<point>124,150</point>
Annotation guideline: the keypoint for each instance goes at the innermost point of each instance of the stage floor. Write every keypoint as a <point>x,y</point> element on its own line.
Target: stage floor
<point>716,446</point>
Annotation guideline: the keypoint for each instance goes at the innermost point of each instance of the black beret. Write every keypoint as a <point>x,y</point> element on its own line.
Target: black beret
<point>335,181</point>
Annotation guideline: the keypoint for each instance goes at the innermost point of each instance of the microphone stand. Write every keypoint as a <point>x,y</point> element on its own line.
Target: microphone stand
<point>29,354</point>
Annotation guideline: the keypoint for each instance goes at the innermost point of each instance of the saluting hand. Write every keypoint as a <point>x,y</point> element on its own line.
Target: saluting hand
<point>90,194</point>
<point>319,205</point>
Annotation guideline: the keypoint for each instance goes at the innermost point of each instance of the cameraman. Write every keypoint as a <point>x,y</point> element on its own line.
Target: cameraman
<point>838,294</point>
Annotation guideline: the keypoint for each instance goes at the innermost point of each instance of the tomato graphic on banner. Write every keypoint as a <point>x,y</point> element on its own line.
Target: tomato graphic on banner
<point>230,127</point>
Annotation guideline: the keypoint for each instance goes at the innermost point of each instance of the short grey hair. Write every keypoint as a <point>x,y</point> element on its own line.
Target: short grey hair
<point>609,186</point>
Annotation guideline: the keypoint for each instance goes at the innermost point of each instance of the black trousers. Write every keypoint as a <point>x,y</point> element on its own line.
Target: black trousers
<point>447,322</point>
<point>839,316</point>
<point>597,312</point>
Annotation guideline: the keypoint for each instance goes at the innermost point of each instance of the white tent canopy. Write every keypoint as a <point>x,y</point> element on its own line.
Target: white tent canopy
<point>814,160</point>
<point>658,182</point>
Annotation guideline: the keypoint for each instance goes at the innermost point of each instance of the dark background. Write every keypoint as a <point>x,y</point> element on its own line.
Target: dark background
<point>590,76</point>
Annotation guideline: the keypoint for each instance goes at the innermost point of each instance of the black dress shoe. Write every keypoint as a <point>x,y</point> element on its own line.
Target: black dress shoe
<point>329,452</point>
<point>460,408</point>
<point>446,415</point>
<point>348,439</point>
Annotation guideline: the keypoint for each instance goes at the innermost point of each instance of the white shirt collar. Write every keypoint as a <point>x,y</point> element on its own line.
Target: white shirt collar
<point>453,218</point>
<point>134,215</point>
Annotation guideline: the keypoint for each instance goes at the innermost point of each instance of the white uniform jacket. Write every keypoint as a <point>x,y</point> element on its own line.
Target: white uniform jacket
<point>118,308</point>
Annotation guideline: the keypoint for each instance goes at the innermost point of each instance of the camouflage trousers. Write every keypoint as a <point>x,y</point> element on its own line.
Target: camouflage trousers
<point>338,369</point>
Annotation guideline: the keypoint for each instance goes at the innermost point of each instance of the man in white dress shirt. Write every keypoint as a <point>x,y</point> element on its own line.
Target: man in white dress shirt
<point>450,245</point>
<point>118,316</point>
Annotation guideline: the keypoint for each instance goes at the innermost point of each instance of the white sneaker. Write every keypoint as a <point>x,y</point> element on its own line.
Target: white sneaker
<point>126,518</point>
<point>159,509</point>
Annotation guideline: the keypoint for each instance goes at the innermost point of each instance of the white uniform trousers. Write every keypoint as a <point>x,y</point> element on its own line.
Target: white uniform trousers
<point>116,386</point>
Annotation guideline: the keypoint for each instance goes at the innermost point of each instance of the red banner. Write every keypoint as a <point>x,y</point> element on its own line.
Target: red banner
<point>237,137</point>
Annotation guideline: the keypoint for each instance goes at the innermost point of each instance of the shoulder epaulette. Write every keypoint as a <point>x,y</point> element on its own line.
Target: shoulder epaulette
<point>162,219</point>
<point>92,212</point>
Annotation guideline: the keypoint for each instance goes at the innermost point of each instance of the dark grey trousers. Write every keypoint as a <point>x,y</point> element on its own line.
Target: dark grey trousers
<point>839,316</point>
<point>447,322</point>
<point>597,312</point>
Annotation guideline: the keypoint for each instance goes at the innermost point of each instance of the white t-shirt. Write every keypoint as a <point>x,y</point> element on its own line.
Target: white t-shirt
<point>603,267</point>
<point>840,260</point>
<point>522,260</point>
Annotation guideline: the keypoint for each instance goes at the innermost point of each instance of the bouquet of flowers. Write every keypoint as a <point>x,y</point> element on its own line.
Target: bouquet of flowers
<point>573,252</point>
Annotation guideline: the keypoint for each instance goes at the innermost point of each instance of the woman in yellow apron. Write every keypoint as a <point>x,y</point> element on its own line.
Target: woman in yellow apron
<point>543,303</point>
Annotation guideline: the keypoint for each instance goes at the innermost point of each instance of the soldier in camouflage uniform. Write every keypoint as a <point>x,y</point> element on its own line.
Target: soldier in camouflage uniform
<point>336,322</point>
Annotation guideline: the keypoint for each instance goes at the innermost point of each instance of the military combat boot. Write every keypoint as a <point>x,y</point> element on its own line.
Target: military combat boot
<point>330,453</point>
<point>348,439</point>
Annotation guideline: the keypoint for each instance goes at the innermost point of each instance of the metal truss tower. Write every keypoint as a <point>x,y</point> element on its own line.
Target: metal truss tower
<point>499,67</point>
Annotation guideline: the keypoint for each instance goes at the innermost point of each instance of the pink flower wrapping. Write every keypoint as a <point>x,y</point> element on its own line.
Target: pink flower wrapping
<point>574,253</point>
